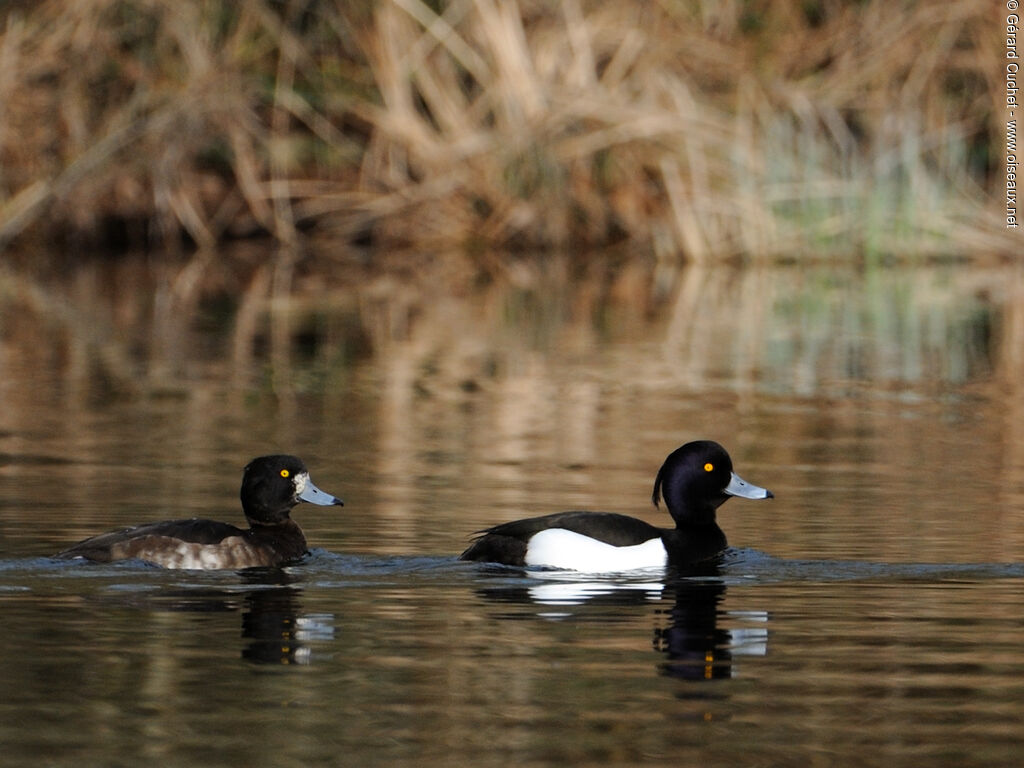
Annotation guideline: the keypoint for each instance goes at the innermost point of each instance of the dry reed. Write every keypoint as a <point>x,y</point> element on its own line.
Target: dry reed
<point>700,131</point>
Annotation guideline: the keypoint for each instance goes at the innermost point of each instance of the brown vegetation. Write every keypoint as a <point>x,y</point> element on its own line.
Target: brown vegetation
<point>698,130</point>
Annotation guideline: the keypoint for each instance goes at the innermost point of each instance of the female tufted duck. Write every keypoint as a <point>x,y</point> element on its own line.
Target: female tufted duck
<point>694,481</point>
<point>271,486</point>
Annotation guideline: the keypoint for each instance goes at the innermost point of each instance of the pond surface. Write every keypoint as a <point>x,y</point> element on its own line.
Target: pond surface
<point>872,612</point>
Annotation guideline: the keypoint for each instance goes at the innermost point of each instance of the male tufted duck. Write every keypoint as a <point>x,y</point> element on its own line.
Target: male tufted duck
<point>694,481</point>
<point>271,486</point>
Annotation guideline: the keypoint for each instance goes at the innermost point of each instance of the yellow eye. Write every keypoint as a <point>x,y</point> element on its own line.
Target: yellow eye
<point>285,473</point>
<point>708,467</point>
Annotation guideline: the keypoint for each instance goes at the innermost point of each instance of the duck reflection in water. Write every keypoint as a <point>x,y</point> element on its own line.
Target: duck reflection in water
<point>689,633</point>
<point>695,646</point>
<point>274,628</point>
<point>276,632</point>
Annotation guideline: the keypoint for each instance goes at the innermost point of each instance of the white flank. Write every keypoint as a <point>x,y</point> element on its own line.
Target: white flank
<point>559,548</point>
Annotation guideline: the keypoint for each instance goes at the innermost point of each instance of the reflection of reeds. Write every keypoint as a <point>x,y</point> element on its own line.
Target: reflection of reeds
<point>793,128</point>
<point>811,331</point>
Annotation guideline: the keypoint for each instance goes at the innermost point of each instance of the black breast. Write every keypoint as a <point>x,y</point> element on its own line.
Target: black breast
<point>694,544</point>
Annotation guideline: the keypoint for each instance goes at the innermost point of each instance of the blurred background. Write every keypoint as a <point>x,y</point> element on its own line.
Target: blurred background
<point>692,131</point>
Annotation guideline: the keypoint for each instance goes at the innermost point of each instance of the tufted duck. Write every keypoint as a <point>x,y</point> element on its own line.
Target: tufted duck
<point>271,486</point>
<point>694,481</point>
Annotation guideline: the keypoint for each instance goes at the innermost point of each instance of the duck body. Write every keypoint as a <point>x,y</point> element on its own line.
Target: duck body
<point>694,481</point>
<point>196,543</point>
<point>271,486</point>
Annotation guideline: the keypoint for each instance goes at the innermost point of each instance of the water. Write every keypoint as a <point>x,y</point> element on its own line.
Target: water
<point>871,612</point>
<point>363,661</point>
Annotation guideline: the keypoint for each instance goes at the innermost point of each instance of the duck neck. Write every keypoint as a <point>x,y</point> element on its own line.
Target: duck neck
<point>694,514</point>
<point>263,523</point>
<point>268,517</point>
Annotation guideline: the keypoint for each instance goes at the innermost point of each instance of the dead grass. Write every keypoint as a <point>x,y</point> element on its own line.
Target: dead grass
<point>698,131</point>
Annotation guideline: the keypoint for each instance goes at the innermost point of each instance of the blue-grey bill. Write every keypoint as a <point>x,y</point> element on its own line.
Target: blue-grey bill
<point>314,495</point>
<point>739,487</point>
